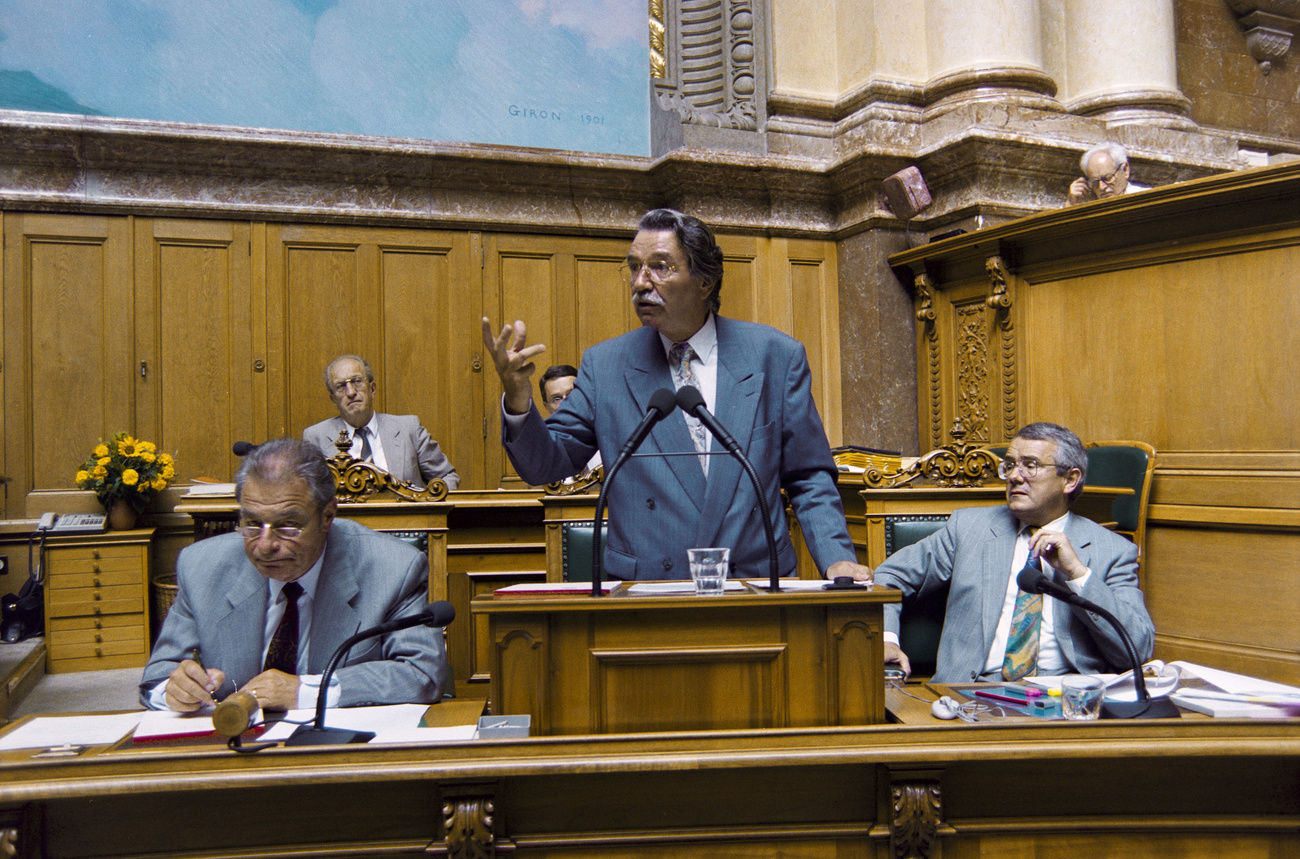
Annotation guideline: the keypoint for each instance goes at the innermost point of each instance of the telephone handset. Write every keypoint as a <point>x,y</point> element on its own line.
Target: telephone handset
<point>71,523</point>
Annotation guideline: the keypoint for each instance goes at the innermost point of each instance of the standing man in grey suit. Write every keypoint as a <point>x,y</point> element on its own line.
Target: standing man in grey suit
<point>990,631</point>
<point>263,610</point>
<point>756,381</point>
<point>398,444</point>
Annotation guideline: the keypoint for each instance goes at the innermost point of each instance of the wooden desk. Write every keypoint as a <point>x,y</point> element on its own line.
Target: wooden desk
<point>629,662</point>
<point>1199,790</point>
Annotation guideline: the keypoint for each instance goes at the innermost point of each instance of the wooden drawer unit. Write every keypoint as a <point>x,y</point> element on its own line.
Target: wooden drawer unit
<point>97,601</point>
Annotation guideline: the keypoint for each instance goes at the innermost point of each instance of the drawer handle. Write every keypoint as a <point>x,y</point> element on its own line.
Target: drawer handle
<point>98,652</point>
<point>94,568</point>
<point>98,623</point>
<point>96,610</point>
<point>99,637</point>
<point>97,596</point>
<point>96,581</point>
<point>94,553</point>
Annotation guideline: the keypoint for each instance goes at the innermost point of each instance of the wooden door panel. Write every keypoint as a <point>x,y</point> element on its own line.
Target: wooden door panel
<point>196,275</point>
<point>69,353</point>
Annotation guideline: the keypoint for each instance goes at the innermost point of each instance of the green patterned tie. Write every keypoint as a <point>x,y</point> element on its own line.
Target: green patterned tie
<point>1022,640</point>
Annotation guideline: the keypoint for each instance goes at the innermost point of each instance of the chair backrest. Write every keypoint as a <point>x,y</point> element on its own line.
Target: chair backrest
<point>1129,464</point>
<point>921,621</point>
<point>575,550</point>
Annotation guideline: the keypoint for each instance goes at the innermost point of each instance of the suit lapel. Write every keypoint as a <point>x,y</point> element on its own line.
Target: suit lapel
<point>243,622</point>
<point>739,389</point>
<point>999,551</point>
<point>647,374</point>
<point>333,616</point>
<point>396,447</point>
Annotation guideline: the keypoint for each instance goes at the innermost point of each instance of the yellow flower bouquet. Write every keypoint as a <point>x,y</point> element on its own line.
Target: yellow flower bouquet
<point>126,468</point>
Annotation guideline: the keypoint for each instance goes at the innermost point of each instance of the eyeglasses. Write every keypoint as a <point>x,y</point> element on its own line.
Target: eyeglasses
<point>1108,179</point>
<point>657,270</point>
<point>357,382</point>
<point>254,531</point>
<point>1028,467</point>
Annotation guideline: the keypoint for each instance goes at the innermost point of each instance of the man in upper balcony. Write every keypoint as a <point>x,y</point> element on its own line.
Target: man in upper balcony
<point>1105,174</point>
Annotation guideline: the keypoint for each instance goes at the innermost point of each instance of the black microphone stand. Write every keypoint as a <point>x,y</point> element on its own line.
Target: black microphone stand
<point>440,613</point>
<point>1145,707</point>
<point>691,401</point>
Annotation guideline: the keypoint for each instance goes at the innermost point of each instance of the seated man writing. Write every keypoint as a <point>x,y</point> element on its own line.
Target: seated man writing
<point>994,631</point>
<point>263,610</point>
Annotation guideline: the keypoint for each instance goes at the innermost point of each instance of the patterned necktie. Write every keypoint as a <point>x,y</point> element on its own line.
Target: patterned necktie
<point>1022,640</point>
<point>679,360</point>
<point>283,652</point>
<point>363,434</point>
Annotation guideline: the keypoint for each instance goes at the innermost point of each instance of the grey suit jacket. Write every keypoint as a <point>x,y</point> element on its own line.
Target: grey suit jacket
<point>661,506</point>
<point>973,553</point>
<point>412,456</point>
<point>366,578</point>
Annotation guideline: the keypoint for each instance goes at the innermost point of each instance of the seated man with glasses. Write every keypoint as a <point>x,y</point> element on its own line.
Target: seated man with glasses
<point>992,630</point>
<point>556,384</point>
<point>1105,174</point>
<point>262,610</point>
<point>398,444</point>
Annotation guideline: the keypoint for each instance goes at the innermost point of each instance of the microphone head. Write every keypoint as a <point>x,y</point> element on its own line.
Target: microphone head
<point>242,448</point>
<point>689,399</point>
<point>1031,579</point>
<point>663,401</point>
<point>438,613</point>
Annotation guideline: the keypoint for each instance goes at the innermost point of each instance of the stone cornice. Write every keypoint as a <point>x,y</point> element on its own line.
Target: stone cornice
<point>54,162</point>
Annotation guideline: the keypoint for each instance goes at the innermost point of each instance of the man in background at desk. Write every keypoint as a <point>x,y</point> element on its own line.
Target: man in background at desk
<point>755,379</point>
<point>994,631</point>
<point>263,610</point>
<point>1105,174</point>
<point>398,444</point>
<point>556,385</point>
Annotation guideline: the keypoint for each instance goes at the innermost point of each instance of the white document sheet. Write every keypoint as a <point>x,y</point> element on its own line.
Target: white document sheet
<point>50,731</point>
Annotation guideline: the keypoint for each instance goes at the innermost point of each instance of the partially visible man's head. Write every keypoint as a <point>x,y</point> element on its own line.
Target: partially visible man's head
<point>556,384</point>
<point>351,385</point>
<point>1059,464</point>
<point>286,499</point>
<point>674,268</point>
<point>1106,169</point>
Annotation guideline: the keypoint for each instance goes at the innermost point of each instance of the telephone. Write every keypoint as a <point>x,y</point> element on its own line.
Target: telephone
<point>71,523</point>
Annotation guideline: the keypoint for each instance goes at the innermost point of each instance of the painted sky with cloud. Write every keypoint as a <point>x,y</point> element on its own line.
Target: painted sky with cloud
<point>559,74</point>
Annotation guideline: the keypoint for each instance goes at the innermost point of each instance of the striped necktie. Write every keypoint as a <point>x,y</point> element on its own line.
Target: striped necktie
<point>679,361</point>
<point>364,434</point>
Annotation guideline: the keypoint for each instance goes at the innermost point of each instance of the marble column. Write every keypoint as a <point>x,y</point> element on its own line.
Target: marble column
<point>1121,65</point>
<point>986,50</point>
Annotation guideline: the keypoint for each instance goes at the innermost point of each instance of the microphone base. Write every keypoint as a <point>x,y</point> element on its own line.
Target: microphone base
<point>310,735</point>
<point>1155,708</point>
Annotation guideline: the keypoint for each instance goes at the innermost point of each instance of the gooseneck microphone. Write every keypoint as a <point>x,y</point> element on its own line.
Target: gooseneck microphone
<point>242,448</point>
<point>662,403</point>
<point>691,401</point>
<point>1033,581</point>
<point>438,613</point>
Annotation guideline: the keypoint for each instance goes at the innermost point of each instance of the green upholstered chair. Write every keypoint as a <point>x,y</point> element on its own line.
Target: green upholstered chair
<point>1130,464</point>
<point>921,622</point>
<point>575,550</point>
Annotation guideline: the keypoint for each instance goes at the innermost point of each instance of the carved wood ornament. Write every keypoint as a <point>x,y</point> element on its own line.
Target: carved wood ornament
<point>999,301</point>
<point>355,480</point>
<point>468,824</point>
<point>917,812</point>
<point>956,464</point>
<point>925,316</point>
